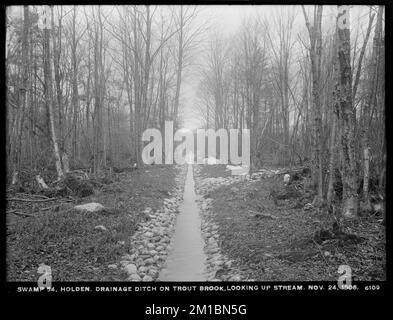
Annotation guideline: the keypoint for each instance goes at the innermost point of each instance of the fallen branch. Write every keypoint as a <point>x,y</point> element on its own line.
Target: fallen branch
<point>23,214</point>
<point>48,208</point>
<point>32,195</point>
<point>32,200</point>
<point>320,251</point>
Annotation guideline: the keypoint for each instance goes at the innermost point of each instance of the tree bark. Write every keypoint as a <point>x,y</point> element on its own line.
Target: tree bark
<point>371,101</point>
<point>56,58</point>
<point>315,34</point>
<point>359,68</point>
<point>75,95</point>
<point>350,196</point>
<point>49,95</point>
<point>179,68</point>
<point>329,196</point>
<point>23,90</point>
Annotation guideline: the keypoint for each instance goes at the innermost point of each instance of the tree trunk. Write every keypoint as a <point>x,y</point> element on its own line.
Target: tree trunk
<point>371,101</point>
<point>23,90</point>
<point>350,196</point>
<point>179,69</point>
<point>329,196</point>
<point>75,98</point>
<point>315,56</point>
<point>49,96</point>
<point>56,58</point>
<point>335,112</point>
<point>99,91</point>
<point>359,68</point>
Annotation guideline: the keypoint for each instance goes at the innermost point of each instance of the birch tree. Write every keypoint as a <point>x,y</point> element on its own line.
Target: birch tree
<point>346,115</point>
<point>315,35</point>
<point>48,90</point>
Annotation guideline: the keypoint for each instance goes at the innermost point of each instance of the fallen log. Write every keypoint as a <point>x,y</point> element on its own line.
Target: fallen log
<point>32,200</point>
<point>303,170</point>
<point>49,208</point>
<point>31,195</point>
<point>23,214</point>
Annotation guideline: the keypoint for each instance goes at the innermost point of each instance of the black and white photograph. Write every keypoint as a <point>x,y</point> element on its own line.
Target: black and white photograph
<point>186,143</point>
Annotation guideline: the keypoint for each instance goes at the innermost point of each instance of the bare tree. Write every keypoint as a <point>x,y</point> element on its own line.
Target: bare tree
<point>315,34</point>
<point>48,92</point>
<point>370,104</point>
<point>23,92</point>
<point>346,115</point>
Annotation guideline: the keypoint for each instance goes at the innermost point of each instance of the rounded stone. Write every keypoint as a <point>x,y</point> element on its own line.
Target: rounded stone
<point>142,269</point>
<point>147,278</point>
<point>134,277</point>
<point>144,252</point>
<point>156,239</point>
<point>160,248</point>
<point>158,230</point>
<point>124,262</point>
<point>218,263</point>
<point>212,241</point>
<point>127,257</point>
<point>225,277</point>
<point>130,268</point>
<point>153,273</point>
<point>213,250</point>
<point>148,261</point>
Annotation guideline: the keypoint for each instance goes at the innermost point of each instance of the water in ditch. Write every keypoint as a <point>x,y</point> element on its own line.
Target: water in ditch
<point>186,261</point>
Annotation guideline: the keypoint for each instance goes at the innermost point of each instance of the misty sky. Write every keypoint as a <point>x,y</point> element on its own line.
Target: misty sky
<point>228,19</point>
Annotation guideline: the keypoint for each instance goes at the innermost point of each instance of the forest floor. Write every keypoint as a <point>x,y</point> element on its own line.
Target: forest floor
<point>267,239</point>
<point>69,242</point>
<point>282,241</point>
